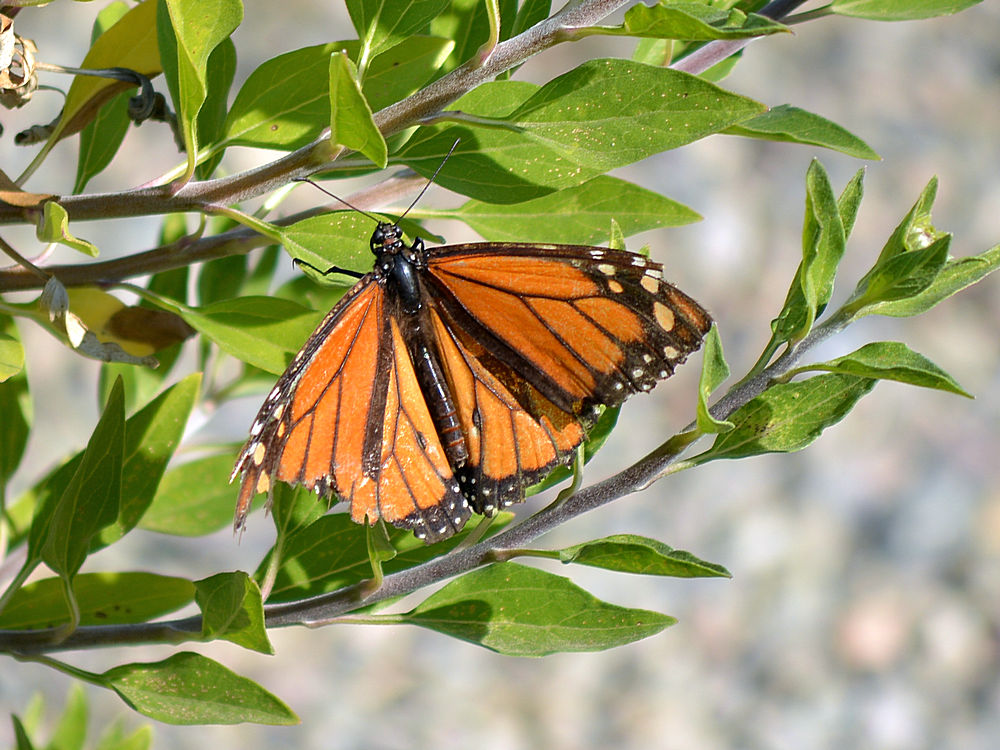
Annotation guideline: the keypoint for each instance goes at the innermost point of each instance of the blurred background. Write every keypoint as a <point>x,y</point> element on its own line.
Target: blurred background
<point>865,603</point>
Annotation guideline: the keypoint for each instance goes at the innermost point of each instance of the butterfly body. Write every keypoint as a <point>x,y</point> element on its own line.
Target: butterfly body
<point>449,379</point>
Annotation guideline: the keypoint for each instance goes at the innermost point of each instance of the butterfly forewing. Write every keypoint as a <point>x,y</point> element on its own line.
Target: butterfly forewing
<point>303,432</point>
<point>348,416</point>
<point>583,324</point>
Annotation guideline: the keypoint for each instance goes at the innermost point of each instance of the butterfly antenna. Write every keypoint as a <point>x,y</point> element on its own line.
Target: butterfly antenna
<point>338,198</point>
<point>433,177</point>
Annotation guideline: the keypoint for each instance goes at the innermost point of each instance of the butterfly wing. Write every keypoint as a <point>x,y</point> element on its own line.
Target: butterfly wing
<point>581,324</point>
<point>412,484</point>
<point>513,434</point>
<point>533,337</point>
<point>348,417</point>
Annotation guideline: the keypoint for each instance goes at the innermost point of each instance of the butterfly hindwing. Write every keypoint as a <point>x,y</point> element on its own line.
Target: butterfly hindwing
<point>514,435</point>
<point>412,484</point>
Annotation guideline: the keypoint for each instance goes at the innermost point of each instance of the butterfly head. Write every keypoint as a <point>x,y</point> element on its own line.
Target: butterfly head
<point>387,237</point>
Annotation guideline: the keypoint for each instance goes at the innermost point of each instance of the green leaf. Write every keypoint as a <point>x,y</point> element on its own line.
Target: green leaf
<point>616,239</point>
<point>521,611</point>
<point>285,102</point>
<point>193,499</point>
<point>900,277</point>
<point>900,10</point>
<point>340,238</point>
<point>232,609</point>
<point>530,13</point>
<point>221,278</point>
<point>382,24</point>
<point>326,555</point>
<point>198,27</point>
<point>259,281</point>
<point>114,738</point>
<point>688,21</point>
<point>351,123</point>
<point>221,69</point>
<point>128,43</point>
<point>261,331</point>
<point>53,226</point>
<point>577,215</point>
<point>11,350</point>
<point>102,136</point>
<point>956,275</point>
<point>16,410</point>
<point>21,735</point>
<point>823,244</point>
<point>400,71</point>
<point>191,689</point>
<point>601,115</point>
<point>332,553</point>
<point>101,139</point>
<point>71,731</point>
<point>629,553</point>
<point>468,23</point>
<point>493,18</point>
<point>292,509</point>
<point>148,444</point>
<point>849,201</point>
<point>34,713</point>
<point>658,52</point>
<point>608,113</point>
<point>141,383</point>
<point>789,124</point>
<point>714,371</point>
<point>380,549</point>
<point>915,231</point>
<point>482,165</point>
<point>151,437</point>
<point>172,283</point>
<point>90,501</point>
<point>823,238</point>
<point>103,599</point>
<point>891,360</point>
<point>789,416</point>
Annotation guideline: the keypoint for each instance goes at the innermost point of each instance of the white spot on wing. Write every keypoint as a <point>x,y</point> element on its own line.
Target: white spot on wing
<point>664,316</point>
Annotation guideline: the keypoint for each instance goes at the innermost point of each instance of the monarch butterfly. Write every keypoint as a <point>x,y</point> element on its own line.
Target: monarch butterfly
<point>451,378</point>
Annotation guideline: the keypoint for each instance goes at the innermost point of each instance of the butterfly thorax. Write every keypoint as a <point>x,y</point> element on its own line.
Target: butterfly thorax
<point>397,264</point>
